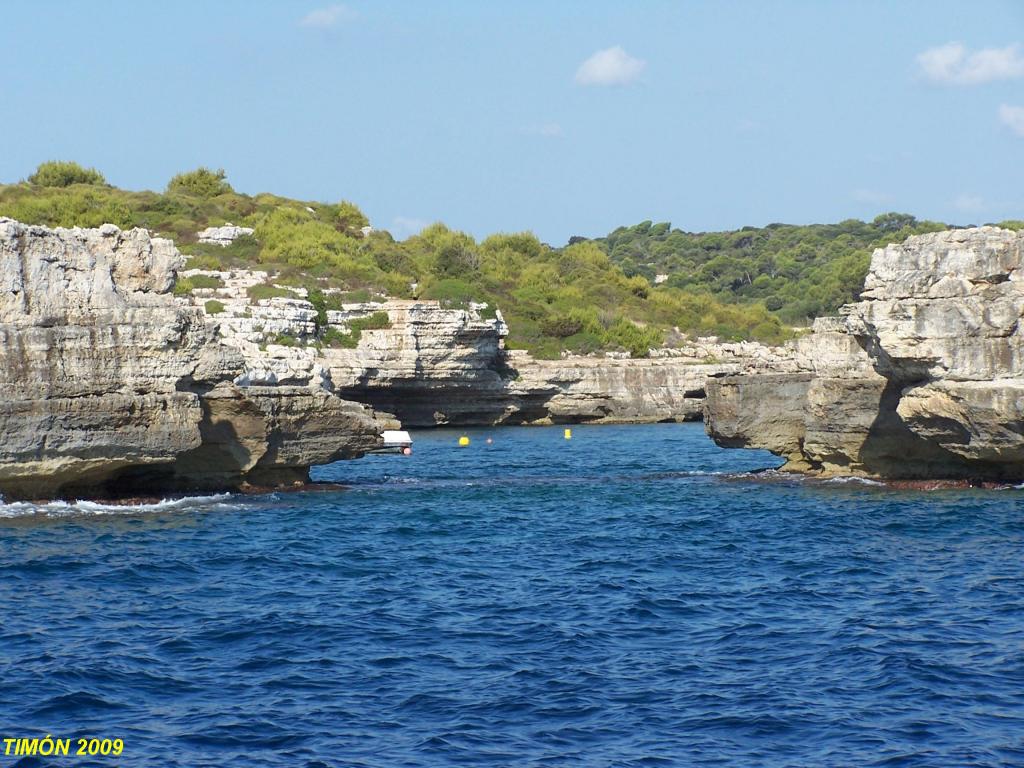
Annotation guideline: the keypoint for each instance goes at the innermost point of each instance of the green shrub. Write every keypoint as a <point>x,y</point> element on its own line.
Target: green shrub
<point>456,258</point>
<point>561,326</point>
<point>76,206</point>
<point>546,348</point>
<point>452,292</point>
<point>58,173</point>
<point>448,253</point>
<point>335,338</point>
<point>206,281</point>
<point>332,337</point>
<point>390,256</point>
<point>360,296</point>
<point>268,291</point>
<point>376,321</point>
<point>286,340</point>
<point>349,217</point>
<point>634,339</point>
<point>213,307</point>
<point>185,285</point>
<point>205,261</point>
<point>322,302</point>
<point>244,251</point>
<point>202,182</point>
<point>293,235</point>
<point>583,343</point>
<point>292,278</point>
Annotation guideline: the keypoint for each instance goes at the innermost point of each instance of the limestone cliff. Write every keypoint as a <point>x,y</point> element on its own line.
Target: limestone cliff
<point>921,379</point>
<point>668,387</point>
<point>449,366</point>
<point>112,387</point>
<point>433,365</point>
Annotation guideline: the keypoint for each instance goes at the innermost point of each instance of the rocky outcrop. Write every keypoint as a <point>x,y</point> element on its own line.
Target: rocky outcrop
<point>432,365</point>
<point>511,387</point>
<point>112,387</point>
<point>921,379</point>
<point>223,236</point>
<point>622,390</point>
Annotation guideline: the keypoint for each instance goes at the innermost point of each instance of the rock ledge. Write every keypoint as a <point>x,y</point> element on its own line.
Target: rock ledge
<point>112,387</point>
<point>921,379</point>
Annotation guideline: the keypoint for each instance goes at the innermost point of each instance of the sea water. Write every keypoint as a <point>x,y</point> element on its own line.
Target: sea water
<point>629,597</point>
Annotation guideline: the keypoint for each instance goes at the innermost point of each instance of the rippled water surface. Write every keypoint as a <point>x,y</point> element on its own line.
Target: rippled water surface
<point>620,599</point>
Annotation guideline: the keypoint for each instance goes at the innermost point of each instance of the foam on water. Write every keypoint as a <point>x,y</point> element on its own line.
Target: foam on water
<point>855,481</point>
<point>85,507</point>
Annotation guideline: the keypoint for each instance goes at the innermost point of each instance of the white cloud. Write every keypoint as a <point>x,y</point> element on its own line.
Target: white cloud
<point>404,226</point>
<point>1012,118</point>
<point>547,130</point>
<point>327,17</point>
<point>953,64</point>
<point>611,66</point>
<point>968,203</point>
<point>871,197</point>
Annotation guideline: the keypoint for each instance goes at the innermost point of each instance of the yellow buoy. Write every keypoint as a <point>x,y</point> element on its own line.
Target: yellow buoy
<point>463,440</point>
<point>568,434</point>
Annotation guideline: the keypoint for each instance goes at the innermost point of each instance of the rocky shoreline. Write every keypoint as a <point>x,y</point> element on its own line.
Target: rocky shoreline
<point>433,366</point>
<point>113,388</point>
<point>119,388</point>
<point>921,380</point>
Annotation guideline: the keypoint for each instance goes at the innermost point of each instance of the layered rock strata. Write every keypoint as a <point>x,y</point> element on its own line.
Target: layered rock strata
<point>610,390</point>
<point>923,378</point>
<point>433,365</point>
<point>111,386</point>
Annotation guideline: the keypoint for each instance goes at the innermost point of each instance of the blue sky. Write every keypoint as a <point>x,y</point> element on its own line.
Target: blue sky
<point>559,117</point>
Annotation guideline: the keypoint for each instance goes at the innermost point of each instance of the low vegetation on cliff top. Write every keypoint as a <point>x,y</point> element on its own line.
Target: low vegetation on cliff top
<point>629,290</point>
<point>797,272</point>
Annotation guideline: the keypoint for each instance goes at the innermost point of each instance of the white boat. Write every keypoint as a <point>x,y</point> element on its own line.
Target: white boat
<point>395,441</point>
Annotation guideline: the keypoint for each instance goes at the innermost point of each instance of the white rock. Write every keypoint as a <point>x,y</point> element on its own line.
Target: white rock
<point>225,235</point>
<point>922,378</point>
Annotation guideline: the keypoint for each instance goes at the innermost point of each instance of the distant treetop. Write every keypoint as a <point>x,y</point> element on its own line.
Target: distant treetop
<point>60,173</point>
<point>797,272</point>
<point>894,222</point>
<point>202,182</point>
<point>638,288</point>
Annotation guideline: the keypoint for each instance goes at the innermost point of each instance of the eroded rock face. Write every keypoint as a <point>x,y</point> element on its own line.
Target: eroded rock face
<point>609,390</point>
<point>431,366</point>
<point>921,379</point>
<point>434,365</point>
<point>272,435</point>
<point>108,381</point>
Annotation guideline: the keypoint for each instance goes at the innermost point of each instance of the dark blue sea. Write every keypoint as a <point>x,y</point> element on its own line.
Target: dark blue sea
<point>629,597</point>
